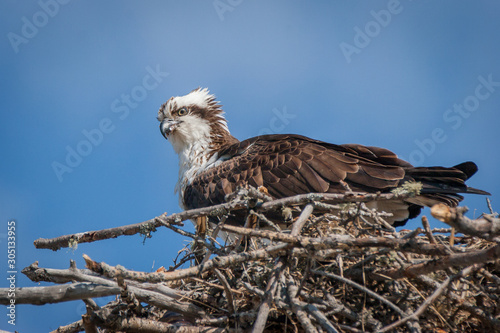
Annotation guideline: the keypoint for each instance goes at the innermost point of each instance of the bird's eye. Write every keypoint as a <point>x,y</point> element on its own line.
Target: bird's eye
<point>182,112</point>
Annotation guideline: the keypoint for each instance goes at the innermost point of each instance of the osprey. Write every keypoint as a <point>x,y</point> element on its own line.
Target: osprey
<point>213,163</point>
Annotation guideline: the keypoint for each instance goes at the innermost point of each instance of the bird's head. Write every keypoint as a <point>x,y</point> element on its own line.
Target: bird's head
<point>196,118</point>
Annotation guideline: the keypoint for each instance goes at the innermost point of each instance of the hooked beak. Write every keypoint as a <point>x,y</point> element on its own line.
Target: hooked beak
<point>167,126</point>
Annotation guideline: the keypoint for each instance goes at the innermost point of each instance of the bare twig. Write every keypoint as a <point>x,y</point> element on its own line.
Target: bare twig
<point>265,306</point>
<point>227,289</point>
<point>438,292</point>
<point>214,236</point>
<point>427,228</point>
<point>264,219</point>
<point>304,215</point>
<point>321,318</point>
<point>453,260</point>
<point>298,308</point>
<point>488,202</point>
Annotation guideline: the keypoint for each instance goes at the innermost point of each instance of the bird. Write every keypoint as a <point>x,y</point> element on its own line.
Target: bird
<point>213,164</point>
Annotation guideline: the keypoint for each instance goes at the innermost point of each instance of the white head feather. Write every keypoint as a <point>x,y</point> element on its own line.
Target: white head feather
<point>194,135</point>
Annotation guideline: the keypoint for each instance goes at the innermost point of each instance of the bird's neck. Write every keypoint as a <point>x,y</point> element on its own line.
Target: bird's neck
<point>192,159</point>
<point>198,156</point>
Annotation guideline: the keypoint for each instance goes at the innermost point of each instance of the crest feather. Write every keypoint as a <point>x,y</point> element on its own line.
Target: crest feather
<point>200,97</point>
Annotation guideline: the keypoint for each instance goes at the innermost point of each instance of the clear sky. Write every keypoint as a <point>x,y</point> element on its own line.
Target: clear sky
<point>81,83</point>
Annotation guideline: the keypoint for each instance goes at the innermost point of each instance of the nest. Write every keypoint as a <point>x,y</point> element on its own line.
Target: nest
<point>336,267</point>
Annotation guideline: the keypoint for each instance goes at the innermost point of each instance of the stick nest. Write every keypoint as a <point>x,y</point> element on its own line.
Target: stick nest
<point>330,265</point>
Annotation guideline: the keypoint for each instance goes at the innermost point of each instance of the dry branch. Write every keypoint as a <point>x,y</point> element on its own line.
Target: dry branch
<point>160,296</point>
<point>342,241</point>
<point>217,262</point>
<point>348,197</point>
<point>149,226</point>
<point>57,294</point>
<point>486,227</point>
<point>146,227</point>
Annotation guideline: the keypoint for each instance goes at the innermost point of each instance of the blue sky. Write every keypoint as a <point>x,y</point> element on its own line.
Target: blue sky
<point>421,78</point>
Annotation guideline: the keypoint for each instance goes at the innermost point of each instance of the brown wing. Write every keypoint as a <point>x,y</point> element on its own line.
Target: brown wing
<point>290,164</point>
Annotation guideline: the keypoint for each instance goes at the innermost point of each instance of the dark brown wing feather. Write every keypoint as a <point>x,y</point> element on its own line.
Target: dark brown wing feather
<point>291,164</point>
